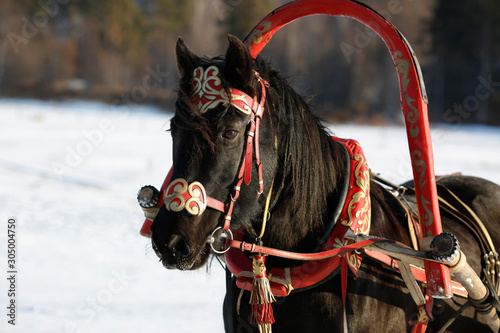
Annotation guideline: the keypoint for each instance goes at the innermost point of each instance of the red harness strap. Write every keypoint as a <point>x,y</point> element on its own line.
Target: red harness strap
<point>418,272</point>
<point>241,100</point>
<point>243,246</point>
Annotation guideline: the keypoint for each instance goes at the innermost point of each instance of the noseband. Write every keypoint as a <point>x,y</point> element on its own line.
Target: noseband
<point>208,93</point>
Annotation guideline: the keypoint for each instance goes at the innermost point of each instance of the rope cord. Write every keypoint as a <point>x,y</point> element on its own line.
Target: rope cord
<point>266,212</point>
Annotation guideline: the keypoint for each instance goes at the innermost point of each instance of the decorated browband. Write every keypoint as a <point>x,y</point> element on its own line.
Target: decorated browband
<point>207,92</point>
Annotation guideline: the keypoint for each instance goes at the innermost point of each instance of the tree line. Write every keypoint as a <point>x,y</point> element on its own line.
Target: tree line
<point>123,51</point>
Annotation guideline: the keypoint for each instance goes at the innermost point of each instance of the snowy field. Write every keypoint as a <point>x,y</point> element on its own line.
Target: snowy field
<point>69,174</point>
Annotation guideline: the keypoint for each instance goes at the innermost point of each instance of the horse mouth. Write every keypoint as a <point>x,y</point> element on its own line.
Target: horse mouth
<point>182,256</point>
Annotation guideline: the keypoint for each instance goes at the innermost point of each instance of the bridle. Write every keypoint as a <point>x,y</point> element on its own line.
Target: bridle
<point>208,93</point>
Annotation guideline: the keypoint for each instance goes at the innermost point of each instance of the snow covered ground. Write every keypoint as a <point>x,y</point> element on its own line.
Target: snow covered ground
<point>69,174</point>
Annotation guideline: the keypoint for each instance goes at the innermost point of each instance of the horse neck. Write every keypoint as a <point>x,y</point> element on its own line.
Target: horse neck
<point>310,167</point>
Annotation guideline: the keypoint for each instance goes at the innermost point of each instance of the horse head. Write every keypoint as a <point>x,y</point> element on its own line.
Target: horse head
<point>220,100</point>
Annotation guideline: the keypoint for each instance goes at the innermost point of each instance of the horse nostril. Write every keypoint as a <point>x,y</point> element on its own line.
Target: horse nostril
<point>181,248</point>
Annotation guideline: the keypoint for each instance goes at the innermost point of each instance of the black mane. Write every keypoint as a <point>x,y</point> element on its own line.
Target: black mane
<point>310,163</point>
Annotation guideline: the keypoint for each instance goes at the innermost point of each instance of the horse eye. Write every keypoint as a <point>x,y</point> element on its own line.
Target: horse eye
<point>230,134</point>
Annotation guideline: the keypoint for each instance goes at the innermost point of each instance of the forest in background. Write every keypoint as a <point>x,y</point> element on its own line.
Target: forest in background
<point>123,52</point>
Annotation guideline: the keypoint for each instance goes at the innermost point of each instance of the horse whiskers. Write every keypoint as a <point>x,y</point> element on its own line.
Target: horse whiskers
<point>148,248</point>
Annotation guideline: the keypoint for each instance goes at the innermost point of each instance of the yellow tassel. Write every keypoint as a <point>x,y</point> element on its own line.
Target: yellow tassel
<point>261,296</point>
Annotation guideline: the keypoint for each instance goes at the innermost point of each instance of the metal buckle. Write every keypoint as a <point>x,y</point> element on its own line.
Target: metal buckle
<point>211,239</point>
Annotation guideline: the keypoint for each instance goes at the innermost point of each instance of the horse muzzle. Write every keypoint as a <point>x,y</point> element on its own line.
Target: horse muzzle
<point>175,243</point>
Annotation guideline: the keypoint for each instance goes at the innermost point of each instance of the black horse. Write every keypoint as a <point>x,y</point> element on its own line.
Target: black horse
<point>306,168</point>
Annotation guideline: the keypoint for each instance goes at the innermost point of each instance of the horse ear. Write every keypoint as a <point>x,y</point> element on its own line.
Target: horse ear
<point>238,69</point>
<point>185,58</point>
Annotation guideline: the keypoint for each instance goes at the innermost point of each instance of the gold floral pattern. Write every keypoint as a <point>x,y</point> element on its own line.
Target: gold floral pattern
<point>179,195</point>
<point>352,258</point>
<point>256,37</point>
<point>240,101</point>
<point>356,214</point>
<point>402,67</point>
<point>207,91</point>
<point>359,209</point>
